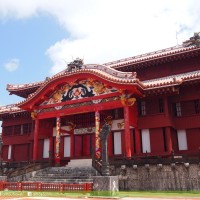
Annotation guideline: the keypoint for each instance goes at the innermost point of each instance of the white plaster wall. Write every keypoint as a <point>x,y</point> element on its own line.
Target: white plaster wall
<point>117,143</point>
<point>182,139</point>
<point>146,146</point>
<point>67,146</point>
<point>46,148</point>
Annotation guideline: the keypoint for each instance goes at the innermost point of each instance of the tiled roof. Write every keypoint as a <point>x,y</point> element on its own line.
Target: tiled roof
<point>13,87</point>
<point>108,72</point>
<point>115,64</point>
<point>13,108</point>
<point>104,70</point>
<point>171,80</point>
<point>101,71</point>
<point>151,56</point>
<point>130,78</point>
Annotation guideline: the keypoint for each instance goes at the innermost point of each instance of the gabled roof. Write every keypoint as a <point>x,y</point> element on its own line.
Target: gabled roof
<point>109,75</point>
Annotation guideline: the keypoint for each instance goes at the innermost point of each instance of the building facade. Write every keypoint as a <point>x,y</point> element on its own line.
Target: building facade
<point>153,99</point>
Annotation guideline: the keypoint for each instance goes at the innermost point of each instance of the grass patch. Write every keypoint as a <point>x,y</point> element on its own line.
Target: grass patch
<point>159,194</point>
<point>10,193</point>
<point>162,194</point>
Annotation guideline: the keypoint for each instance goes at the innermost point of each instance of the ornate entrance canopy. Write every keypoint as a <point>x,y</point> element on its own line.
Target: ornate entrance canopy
<point>90,88</point>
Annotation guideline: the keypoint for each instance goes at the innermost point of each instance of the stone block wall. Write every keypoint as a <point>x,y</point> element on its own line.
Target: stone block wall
<point>159,177</point>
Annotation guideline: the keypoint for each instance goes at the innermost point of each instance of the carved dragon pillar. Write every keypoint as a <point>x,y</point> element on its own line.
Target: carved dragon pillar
<point>57,153</point>
<point>97,132</point>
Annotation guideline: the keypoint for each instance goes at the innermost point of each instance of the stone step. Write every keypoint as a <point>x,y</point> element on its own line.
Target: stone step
<point>62,180</point>
<point>52,178</point>
<point>57,174</point>
<point>57,170</point>
<point>65,175</point>
<point>80,163</point>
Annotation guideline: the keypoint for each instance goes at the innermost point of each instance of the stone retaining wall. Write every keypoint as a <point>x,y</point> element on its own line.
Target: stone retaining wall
<point>159,177</point>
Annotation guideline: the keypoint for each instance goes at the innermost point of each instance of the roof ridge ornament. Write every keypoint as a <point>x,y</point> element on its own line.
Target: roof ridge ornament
<point>75,64</point>
<point>193,41</point>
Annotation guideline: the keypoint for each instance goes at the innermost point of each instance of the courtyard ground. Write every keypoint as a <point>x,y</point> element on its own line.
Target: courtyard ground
<point>136,195</point>
<point>68,198</point>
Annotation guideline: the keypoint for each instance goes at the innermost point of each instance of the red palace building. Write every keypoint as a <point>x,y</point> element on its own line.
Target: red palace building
<point>153,98</point>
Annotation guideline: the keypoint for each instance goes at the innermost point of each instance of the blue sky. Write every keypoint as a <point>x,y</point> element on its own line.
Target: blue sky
<point>38,37</point>
<point>24,43</point>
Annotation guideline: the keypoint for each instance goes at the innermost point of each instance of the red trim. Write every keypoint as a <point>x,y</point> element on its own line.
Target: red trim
<point>81,100</point>
<point>82,109</point>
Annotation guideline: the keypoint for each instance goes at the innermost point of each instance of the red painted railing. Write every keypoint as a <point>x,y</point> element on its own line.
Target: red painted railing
<point>38,186</point>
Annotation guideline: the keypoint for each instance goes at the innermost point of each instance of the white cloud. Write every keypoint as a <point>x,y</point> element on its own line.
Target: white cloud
<point>106,30</point>
<point>12,65</point>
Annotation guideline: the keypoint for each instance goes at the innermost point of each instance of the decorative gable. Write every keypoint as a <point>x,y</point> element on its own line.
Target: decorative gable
<point>78,90</point>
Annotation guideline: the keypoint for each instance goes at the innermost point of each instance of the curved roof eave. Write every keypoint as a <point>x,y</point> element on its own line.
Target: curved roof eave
<point>154,56</point>
<point>28,88</point>
<point>104,73</point>
<point>23,90</point>
<point>171,80</point>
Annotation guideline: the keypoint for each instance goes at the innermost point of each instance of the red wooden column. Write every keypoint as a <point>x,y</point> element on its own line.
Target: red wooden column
<point>127,133</point>
<point>13,151</point>
<point>168,140</point>
<point>166,107</point>
<point>57,152</point>
<point>168,132</point>
<point>51,144</point>
<point>35,144</point>
<point>51,149</point>
<point>137,141</point>
<point>72,145</point>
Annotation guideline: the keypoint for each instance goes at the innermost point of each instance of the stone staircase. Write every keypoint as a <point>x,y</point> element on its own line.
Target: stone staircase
<point>77,171</point>
<point>64,175</point>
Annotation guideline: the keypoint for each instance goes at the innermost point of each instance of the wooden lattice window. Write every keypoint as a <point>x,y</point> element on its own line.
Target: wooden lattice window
<point>118,113</point>
<point>197,107</point>
<point>178,109</point>
<point>143,108</point>
<point>17,130</point>
<point>161,107</point>
<point>27,128</point>
<point>7,130</point>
